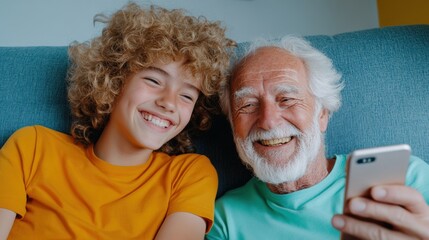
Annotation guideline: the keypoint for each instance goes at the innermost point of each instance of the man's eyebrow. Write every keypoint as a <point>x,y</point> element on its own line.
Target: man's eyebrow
<point>285,88</point>
<point>244,92</point>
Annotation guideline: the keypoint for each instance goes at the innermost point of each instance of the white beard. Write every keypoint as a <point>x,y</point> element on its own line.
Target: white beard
<point>289,170</point>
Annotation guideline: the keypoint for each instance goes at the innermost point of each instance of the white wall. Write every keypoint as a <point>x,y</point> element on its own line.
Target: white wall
<point>59,22</point>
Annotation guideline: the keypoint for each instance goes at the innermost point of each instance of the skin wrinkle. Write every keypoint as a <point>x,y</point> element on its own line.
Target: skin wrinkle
<point>287,73</point>
<point>247,92</point>
<point>275,74</point>
<point>280,74</point>
<point>243,93</point>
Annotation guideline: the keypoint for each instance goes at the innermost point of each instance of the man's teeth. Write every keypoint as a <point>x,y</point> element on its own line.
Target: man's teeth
<point>156,121</point>
<point>275,142</point>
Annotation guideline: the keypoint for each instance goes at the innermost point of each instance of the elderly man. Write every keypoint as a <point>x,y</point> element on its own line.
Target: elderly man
<point>279,101</point>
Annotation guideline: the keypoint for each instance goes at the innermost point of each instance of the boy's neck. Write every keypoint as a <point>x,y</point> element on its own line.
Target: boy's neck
<point>119,152</point>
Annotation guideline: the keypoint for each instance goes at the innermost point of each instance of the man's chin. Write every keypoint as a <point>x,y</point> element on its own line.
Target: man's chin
<point>279,179</point>
<point>277,174</point>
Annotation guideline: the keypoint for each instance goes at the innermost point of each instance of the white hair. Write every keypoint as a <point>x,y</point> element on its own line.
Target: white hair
<point>324,80</point>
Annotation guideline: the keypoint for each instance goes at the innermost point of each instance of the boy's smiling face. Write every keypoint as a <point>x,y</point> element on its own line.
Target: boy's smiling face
<point>154,106</point>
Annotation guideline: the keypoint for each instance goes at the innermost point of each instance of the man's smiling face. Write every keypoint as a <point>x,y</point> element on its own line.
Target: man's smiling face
<point>273,111</point>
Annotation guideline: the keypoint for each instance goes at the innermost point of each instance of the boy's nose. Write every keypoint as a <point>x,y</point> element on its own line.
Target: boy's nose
<point>167,102</point>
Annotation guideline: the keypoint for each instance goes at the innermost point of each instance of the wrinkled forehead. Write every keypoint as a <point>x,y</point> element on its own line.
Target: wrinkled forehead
<point>269,64</point>
<point>267,74</point>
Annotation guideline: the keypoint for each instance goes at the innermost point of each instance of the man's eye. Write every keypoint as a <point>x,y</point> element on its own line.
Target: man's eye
<point>247,108</point>
<point>247,105</point>
<point>284,98</point>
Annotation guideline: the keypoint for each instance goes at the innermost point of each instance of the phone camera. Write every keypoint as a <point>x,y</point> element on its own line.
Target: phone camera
<point>365,160</point>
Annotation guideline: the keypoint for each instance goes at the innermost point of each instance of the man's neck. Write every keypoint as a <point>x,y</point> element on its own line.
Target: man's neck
<point>316,172</point>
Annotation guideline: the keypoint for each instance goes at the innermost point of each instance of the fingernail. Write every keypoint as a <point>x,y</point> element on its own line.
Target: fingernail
<point>379,193</point>
<point>338,222</point>
<point>357,206</point>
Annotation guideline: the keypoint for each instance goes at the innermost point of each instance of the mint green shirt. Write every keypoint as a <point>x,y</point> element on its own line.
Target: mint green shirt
<point>254,212</point>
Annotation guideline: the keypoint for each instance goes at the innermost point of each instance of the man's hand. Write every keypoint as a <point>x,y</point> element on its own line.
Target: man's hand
<point>399,206</point>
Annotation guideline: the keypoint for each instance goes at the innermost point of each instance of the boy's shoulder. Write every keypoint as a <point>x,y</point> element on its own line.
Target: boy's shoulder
<point>189,162</point>
<point>37,133</point>
<point>36,129</point>
<point>186,158</point>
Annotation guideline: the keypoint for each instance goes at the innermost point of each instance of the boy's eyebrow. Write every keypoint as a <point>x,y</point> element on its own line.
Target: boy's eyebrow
<point>191,86</point>
<point>161,71</point>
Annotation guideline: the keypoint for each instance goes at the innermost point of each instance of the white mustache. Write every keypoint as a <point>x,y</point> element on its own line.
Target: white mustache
<point>283,131</point>
<point>308,144</point>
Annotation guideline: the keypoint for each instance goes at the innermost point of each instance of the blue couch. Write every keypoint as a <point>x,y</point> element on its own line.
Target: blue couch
<point>385,100</point>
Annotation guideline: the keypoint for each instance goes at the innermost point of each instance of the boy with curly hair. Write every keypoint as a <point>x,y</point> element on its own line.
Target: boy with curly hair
<point>126,171</point>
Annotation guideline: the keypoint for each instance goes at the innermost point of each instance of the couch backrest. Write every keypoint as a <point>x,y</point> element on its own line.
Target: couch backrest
<point>33,88</point>
<point>385,100</point>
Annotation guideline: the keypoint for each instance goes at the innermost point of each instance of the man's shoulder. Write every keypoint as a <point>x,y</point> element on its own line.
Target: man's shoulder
<point>417,168</point>
<point>415,160</point>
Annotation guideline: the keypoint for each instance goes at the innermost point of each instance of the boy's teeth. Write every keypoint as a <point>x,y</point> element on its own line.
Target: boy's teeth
<point>274,142</point>
<point>156,121</point>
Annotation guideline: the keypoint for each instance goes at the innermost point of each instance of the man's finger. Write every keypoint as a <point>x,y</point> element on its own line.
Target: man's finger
<point>398,217</point>
<point>365,230</point>
<point>400,195</point>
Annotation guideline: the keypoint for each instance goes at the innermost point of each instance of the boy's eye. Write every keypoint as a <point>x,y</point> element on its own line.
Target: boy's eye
<point>188,97</point>
<point>152,81</point>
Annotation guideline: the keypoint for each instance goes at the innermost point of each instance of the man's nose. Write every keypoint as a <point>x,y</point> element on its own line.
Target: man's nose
<point>269,116</point>
<point>167,101</point>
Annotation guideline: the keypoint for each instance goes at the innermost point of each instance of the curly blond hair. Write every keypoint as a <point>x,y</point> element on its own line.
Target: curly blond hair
<point>133,39</point>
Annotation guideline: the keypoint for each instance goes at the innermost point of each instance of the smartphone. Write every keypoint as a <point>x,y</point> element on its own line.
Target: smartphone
<point>374,166</point>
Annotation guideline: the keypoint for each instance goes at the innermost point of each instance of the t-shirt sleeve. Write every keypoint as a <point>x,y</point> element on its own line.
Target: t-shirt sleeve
<point>195,187</point>
<point>15,169</point>
<point>218,230</point>
<point>418,176</point>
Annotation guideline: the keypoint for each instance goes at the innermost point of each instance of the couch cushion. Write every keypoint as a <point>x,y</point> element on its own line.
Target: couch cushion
<point>386,94</point>
<point>33,88</point>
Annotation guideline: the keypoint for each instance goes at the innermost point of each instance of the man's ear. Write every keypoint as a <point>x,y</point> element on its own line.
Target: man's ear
<point>323,120</point>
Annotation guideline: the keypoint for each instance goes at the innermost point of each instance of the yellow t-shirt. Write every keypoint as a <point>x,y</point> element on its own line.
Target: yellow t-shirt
<point>61,190</point>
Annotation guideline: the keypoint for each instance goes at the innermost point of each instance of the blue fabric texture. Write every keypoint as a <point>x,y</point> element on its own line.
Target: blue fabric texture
<point>386,94</point>
<point>385,100</point>
<point>33,88</point>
